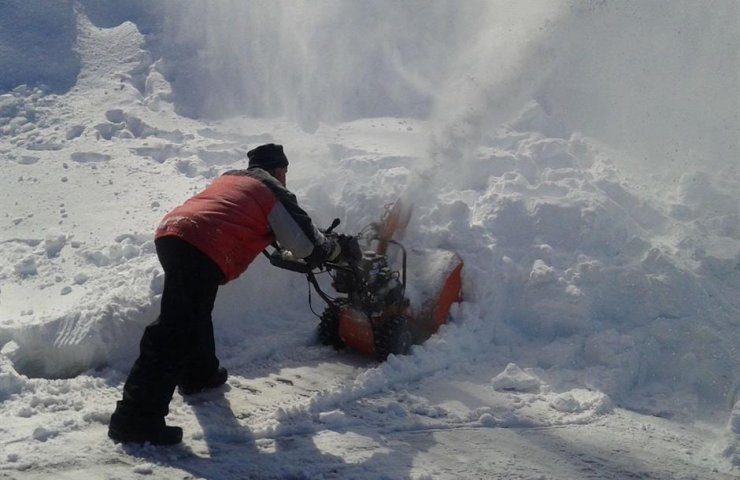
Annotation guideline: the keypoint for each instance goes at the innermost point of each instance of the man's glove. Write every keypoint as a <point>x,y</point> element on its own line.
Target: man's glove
<point>343,241</point>
<point>326,251</point>
<point>336,249</point>
<point>351,251</point>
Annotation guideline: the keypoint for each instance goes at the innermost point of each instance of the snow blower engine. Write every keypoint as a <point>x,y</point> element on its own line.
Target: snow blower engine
<point>375,313</point>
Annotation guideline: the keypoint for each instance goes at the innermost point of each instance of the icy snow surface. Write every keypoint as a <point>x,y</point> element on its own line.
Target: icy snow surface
<point>580,157</point>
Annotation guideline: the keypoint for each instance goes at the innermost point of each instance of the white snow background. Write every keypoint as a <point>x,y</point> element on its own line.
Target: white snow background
<point>581,157</point>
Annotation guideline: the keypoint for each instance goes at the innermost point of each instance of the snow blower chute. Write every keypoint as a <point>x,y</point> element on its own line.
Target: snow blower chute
<point>380,310</point>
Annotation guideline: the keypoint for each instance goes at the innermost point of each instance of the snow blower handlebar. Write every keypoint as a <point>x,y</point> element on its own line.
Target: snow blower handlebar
<point>284,259</point>
<point>349,268</point>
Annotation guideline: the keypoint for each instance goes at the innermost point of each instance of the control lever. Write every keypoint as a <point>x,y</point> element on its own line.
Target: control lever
<point>333,225</point>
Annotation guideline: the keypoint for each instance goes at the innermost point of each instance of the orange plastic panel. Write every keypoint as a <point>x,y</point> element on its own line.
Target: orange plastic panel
<point>356,330</point>
<point>451,293</point>
<point>394,225</point>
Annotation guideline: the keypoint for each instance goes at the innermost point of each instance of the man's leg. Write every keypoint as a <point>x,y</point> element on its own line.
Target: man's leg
<point>190,287</point>
<point>202,369</point>
<point>201,360</point>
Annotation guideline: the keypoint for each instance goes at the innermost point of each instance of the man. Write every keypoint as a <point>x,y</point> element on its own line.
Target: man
<point>208,241</point>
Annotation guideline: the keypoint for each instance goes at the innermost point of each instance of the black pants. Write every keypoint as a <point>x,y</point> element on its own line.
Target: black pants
<point>179,345</point>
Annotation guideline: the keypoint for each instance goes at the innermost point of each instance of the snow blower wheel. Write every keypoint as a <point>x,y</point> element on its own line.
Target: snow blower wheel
<point>328,328</point>
<point>393,336</point>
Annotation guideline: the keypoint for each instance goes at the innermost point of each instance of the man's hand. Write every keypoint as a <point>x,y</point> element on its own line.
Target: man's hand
<point>336,249</point>
<point>351,251</point>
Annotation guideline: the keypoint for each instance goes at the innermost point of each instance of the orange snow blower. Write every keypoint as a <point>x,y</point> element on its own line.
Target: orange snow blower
<point>376,311</point>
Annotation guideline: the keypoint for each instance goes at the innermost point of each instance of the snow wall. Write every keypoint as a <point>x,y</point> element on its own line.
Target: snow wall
<point>37,41</point>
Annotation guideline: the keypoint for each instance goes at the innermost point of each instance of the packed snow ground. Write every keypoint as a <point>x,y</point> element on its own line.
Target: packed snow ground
<point>598,337</point>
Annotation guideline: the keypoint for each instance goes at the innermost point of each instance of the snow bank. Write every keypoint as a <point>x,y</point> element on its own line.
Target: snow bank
<point>37,41</point>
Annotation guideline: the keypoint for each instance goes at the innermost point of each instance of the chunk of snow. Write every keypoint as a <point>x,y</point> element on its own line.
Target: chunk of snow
<point>515,379</point>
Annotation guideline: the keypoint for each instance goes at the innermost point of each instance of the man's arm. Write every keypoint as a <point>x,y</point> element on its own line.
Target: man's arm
<point>292,226</point>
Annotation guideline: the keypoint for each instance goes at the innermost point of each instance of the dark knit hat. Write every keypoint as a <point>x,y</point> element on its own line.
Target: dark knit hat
<point>267,157</point>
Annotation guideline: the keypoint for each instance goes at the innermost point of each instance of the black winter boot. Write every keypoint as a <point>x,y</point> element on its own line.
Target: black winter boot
<point>129,429</point>
<point>217,378</point>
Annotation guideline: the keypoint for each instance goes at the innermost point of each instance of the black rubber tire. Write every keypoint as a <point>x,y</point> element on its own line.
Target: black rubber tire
<point>393,335</point>
<point>328,329</point>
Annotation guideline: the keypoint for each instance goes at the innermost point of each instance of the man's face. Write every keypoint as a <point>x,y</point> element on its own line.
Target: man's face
<point>280,174</point>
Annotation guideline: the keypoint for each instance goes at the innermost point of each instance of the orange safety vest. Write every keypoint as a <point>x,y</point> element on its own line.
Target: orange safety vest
<point>237,216</point>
